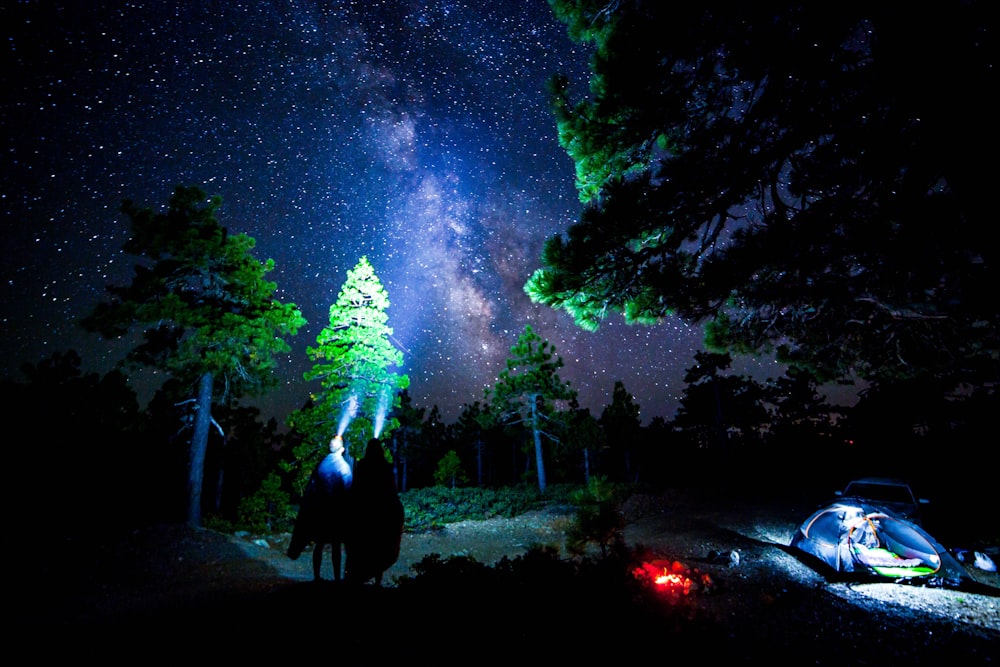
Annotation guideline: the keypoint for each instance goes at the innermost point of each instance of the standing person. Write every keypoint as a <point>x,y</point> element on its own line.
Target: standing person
<point>324,514</point>
<point>377,528</point>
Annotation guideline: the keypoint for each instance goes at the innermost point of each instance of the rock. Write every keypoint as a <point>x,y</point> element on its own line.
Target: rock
<point>723,557</point>
<point>984,562</point>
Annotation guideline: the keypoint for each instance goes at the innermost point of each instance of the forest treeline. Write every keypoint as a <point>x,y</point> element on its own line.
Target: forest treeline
<point>108,461</point>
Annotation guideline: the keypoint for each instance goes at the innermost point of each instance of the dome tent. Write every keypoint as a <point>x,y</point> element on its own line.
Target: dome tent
<point>864,540</point>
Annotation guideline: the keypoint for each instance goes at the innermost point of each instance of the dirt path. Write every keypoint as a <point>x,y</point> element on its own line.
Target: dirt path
<point>485,541</point>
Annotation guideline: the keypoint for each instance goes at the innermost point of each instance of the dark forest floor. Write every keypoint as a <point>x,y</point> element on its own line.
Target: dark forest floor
<point>169,591</point>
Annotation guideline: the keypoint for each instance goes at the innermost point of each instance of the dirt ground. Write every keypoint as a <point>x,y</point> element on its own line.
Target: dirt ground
<point>174,588</point>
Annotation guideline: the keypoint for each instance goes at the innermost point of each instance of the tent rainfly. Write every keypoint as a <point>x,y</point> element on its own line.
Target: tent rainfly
<point>865,540</point>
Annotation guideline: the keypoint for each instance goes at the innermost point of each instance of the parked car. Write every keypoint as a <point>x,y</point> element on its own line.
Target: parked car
<point>887,493</point>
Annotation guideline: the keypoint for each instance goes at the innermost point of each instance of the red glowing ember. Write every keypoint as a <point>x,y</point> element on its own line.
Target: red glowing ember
<point>673,577</point>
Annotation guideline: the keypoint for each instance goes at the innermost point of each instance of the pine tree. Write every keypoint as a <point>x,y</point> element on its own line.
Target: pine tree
<point>210,318</point>
<point>798,182</point>
<point>584,440</point>
<point>719,410</point>
<point>353,357</point>
<point>527,390</point>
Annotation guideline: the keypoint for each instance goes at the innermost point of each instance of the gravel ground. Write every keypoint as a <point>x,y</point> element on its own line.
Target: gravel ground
<point>760,533</point>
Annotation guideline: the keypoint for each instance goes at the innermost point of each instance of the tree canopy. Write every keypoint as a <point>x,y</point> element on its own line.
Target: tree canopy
<point>209,318</point>
<point>803,181</point>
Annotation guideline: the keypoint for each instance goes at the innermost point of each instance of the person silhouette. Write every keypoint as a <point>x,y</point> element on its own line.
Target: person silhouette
<point>324,514</point>
<point>373,542</point>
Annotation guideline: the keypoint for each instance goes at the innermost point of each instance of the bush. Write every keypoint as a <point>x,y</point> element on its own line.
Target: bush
<point>449,471</point>
<point>269,509</point>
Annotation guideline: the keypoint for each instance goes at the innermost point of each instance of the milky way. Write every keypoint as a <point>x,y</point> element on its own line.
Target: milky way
<point>416,134</point>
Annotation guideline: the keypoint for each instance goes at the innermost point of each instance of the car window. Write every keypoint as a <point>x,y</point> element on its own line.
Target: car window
<point>888,493</point>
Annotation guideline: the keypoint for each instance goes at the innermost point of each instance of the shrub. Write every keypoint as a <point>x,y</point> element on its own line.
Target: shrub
<point>598,517</point>
<point>449,471</point>
<point>269,509</point>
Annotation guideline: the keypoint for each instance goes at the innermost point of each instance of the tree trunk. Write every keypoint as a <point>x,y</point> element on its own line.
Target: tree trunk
<point>537,433</point>
<point>220,479</point>
<point>199,445</point>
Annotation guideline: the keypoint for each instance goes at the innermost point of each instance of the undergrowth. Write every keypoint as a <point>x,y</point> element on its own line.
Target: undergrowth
<point>435,506</point>
<point>427,508</point>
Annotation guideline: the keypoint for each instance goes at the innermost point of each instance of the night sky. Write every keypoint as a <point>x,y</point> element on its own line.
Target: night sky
<point>415,133</point>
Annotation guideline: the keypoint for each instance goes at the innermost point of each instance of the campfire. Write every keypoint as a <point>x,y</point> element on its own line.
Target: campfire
<point>673,579</point>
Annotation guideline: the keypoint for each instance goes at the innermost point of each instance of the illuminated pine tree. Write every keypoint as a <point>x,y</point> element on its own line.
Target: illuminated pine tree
<point>354,361</point>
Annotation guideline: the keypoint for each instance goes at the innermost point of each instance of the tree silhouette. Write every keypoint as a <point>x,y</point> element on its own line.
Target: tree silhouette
<point>720,413</point>
<point>469,433</point>
<point>409,422</point>
<point>434,443</point>
<point>799,410</point>
<point>620,421</point>
<point>208,315</point>
<point>83,426</point>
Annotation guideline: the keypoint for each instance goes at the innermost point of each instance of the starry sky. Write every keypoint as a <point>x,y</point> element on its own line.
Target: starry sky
<point>417,134</point>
